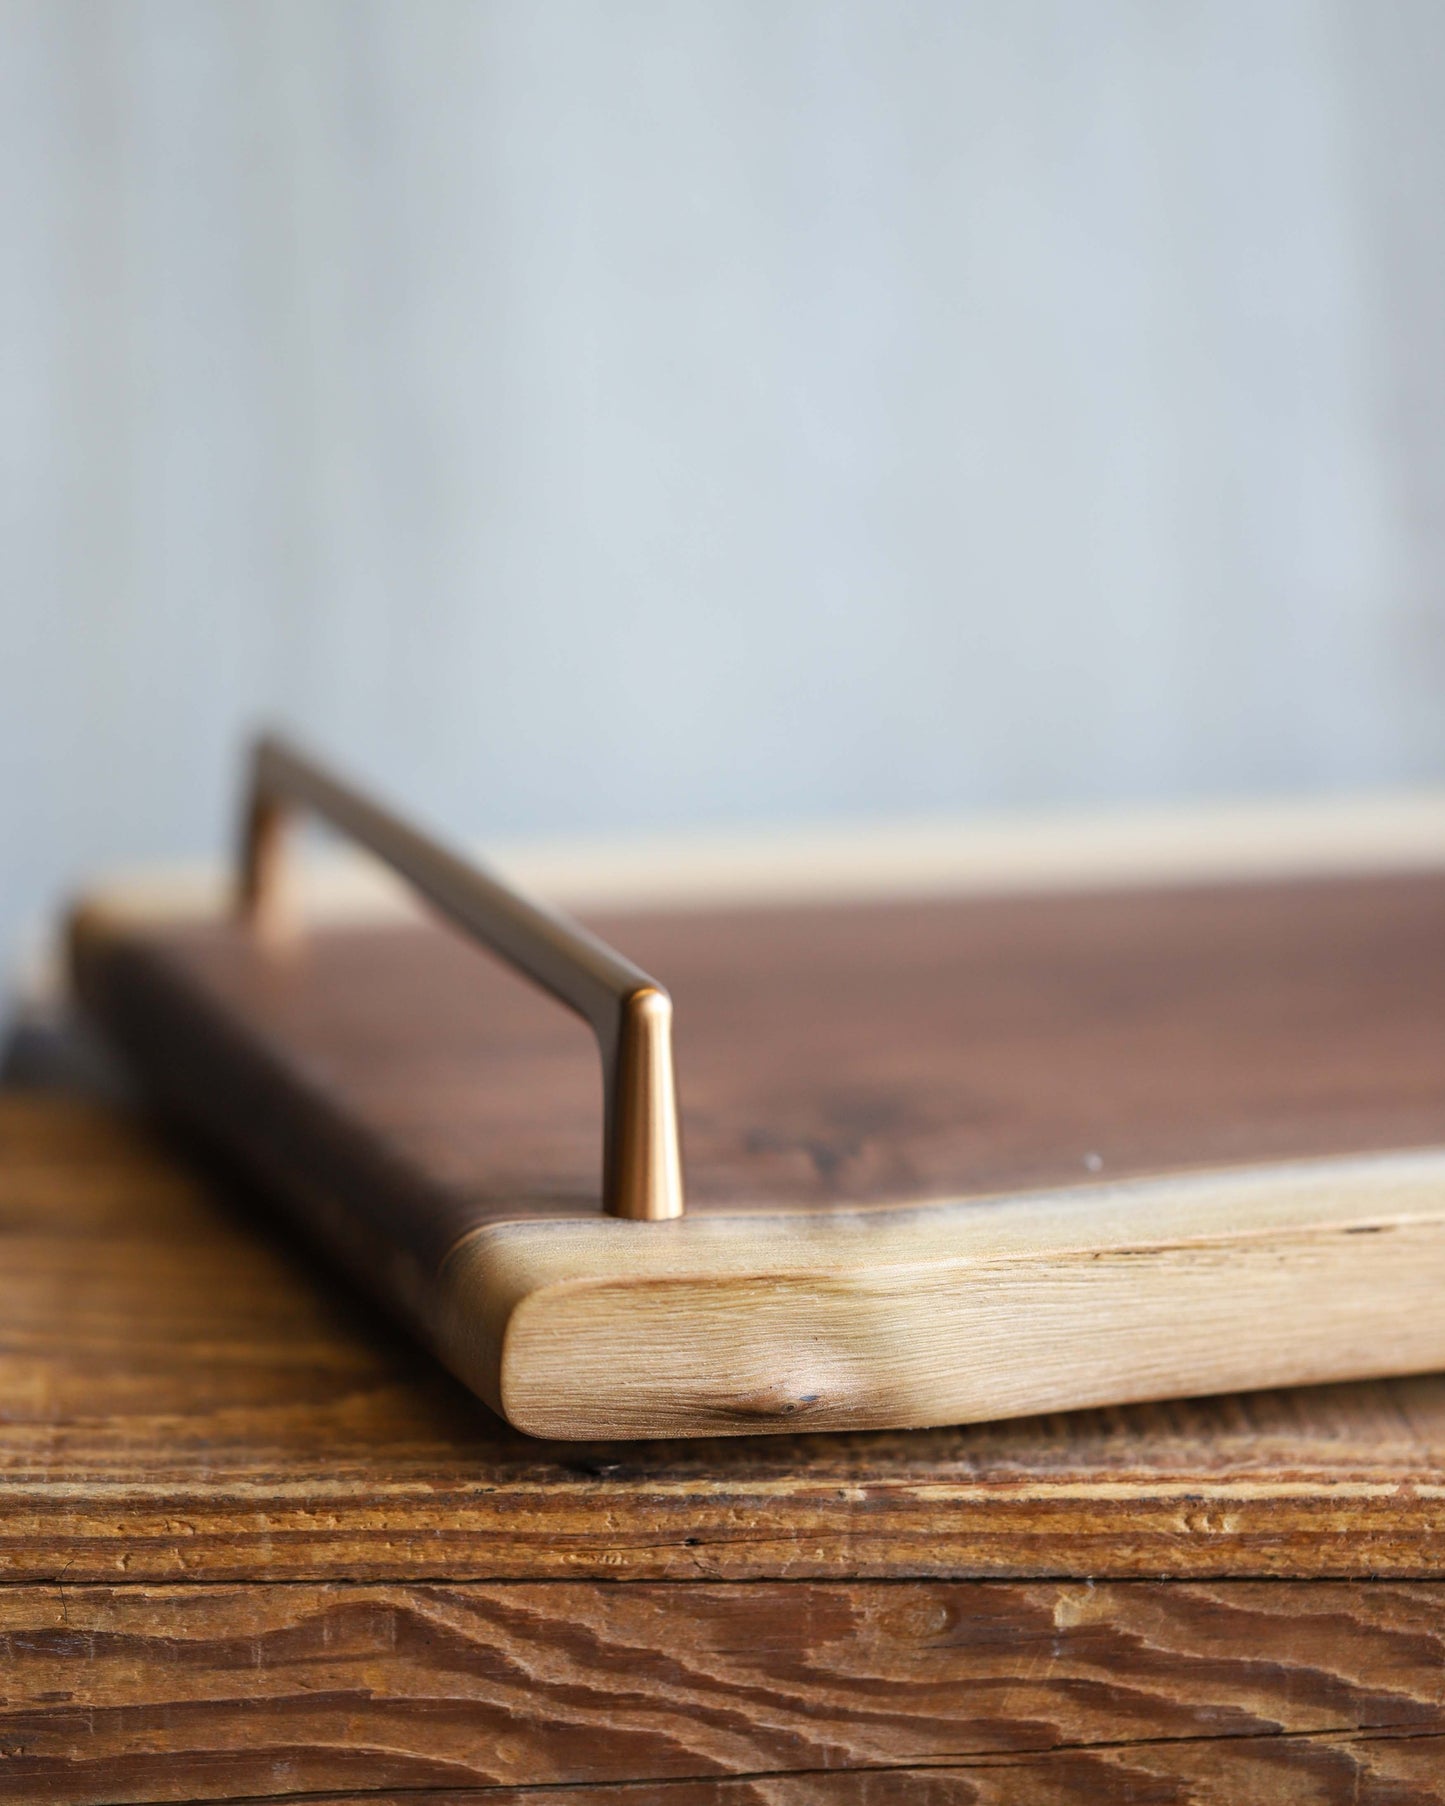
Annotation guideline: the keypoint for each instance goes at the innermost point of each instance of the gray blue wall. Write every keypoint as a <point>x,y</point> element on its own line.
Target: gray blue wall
<point>591,415</point>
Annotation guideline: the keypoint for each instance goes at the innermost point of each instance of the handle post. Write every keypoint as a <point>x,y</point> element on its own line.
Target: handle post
<point>629,1013</point>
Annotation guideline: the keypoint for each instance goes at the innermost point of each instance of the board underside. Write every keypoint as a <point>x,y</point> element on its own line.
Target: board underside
<point>946,1160</point>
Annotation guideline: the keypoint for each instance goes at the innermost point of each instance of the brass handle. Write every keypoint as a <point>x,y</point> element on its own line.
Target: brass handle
<point>630,1013</point>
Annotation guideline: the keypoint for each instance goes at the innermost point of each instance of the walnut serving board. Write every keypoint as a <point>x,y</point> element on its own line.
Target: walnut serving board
<point>948,1158</point>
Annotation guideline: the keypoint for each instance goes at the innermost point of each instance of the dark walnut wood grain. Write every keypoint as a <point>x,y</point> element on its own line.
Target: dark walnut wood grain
<point>1122,1691</point>
<point>846,1054</point>
<point>257,1547</point>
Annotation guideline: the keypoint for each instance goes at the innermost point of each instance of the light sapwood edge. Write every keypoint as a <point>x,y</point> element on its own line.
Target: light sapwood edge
<point>984,855</point>
<point>1392,832</point>
<point>954,1312</point>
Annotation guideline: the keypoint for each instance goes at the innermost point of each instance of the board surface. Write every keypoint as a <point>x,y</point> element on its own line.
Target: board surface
<point>878,1054</point>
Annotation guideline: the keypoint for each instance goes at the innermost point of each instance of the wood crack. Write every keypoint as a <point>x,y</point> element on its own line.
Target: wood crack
<point>943,1764</point>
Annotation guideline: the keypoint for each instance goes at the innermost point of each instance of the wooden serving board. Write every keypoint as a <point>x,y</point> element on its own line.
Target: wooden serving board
<point>948,1159</point>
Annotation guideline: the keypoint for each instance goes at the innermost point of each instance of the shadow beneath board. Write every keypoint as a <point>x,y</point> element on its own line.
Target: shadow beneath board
<point>44,1047</point>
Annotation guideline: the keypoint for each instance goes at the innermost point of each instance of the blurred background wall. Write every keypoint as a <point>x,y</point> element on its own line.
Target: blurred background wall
<point>597,415</point>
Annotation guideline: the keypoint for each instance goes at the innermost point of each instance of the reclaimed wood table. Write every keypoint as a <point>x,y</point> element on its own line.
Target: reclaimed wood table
<point>257,1546</point>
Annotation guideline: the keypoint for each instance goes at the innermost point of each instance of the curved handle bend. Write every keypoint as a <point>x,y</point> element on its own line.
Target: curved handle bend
<point>630,1013</point>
